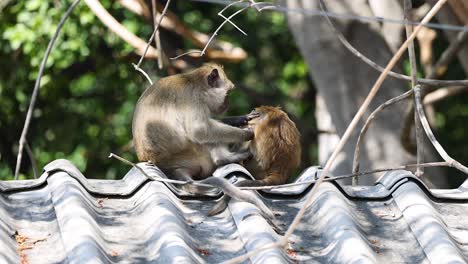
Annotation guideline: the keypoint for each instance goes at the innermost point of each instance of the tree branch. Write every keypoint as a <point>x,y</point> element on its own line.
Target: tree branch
<point>443,93</point>
<point>430,135</point>
<point>368,123</point>
<point>37,85</point>
<point>359,55</point>
<point>414,81</point>
<point>111,23</point>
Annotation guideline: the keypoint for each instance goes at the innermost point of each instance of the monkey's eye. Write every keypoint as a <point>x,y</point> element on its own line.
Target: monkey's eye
<point>213,78</point>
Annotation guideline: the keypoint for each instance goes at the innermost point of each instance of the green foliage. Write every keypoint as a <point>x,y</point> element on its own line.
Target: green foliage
<point>89,88</point>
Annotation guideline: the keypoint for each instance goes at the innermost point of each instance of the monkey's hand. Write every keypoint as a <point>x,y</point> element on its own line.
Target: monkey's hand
<point>250,134</point>
<point>252,115</point>
<point>237,121</point>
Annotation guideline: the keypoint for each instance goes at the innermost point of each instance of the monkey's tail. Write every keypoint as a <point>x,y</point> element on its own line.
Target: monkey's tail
<point>232,191</point>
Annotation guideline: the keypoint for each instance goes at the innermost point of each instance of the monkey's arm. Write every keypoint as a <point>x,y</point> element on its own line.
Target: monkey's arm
<point>236,121</point>
<point>216,132</point>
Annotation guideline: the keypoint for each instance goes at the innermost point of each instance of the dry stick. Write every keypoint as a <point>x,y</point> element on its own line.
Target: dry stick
<point>156,29</point>
<point>355,52</point>
<point>31,158</point>
<point>202,52</point>
<point>154,33</point>
<point>283,242</point>
<point>158,179</point>
<point>407,5</point>
<point>352,175</point>
<point>430,135</point>
<point>220,13</point>
<point>447,56</point>
<point>443,93</point>
<point>226,19</point>
<point>360,113</point>
<point>37,85</point>
<point>438,69</point>
<point>369,121</point>
<point>143,72</point>
<point>157,42</point>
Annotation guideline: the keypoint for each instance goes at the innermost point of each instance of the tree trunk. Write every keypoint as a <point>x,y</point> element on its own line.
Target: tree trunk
<point>343,81</point>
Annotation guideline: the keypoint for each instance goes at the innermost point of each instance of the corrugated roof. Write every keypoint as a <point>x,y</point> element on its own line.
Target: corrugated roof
<point>64,217</point>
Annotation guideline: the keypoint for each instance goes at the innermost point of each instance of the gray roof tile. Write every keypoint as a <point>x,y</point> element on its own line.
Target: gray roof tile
<point>77,220</point>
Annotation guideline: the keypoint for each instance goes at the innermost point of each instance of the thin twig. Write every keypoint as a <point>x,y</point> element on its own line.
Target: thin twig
<point>186,53</point>
<point>430,135</point>
<point>153,35</point>
<point>358,54</point>
<point>358,116</point>
<point>32,159</point>
<point>220,26</point>
<point>448,55</point>
<point>226,19</point>
<point>112,24</point>
<point>224,51</point>
<point>143,72</point>
<point>347,16</point>
<point>407,5</point>
<point>37,86</point>
<point>351,175</point>
<point>443,93</point>
<point>439,68</point>
<point>157,41</point>
<point>284,241</point>
<point>369,121</point>
<point>220,13</point>
<point>158,179</point>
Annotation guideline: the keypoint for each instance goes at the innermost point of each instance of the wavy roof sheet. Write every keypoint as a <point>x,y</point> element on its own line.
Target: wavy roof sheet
<point>65,218</point>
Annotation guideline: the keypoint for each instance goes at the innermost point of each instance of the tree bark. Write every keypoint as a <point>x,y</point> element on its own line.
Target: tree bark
<point>343,81</point>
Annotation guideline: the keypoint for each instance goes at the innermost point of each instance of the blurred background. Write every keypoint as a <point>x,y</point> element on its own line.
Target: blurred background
<point>291,58</point>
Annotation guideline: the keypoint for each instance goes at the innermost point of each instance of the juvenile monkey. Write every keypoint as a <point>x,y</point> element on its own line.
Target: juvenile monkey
<point>275,148</point>
<point>172,125</point>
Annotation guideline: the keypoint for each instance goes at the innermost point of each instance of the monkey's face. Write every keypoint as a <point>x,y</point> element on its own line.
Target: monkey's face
<point>217,91</point>
<point>262,113</point>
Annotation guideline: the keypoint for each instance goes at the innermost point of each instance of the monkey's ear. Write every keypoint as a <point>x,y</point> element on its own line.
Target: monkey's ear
<point>213,78</point>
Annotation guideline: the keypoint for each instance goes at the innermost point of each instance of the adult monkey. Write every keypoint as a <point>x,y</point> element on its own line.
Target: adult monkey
<point>172,124</point>
<point>172,128</point>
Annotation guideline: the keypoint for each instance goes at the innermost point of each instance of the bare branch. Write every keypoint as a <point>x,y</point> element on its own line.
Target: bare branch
<point>352,175</point>
<point>439,68</point>
<point>154,33</point>
<point>358,116</point>
<point>220,13</point>
<point>368,123</point>
<point>448,55</point>
<point>32,159</point>
<point>414,81</point>
<point>219,50</point>
<point>443,93</point>
<point>284,241</point>
<point>37,85</point>
<point>108,20</point>
<point>430,135</point>
<point>228,19</point>
<point>143,72</point>
<point>379,68</point>
<point>157,42</point>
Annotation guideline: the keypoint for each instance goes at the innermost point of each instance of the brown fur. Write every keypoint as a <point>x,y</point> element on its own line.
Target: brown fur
<point>172,124</point>
<point>276,150</point>
<point>276,147</point>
